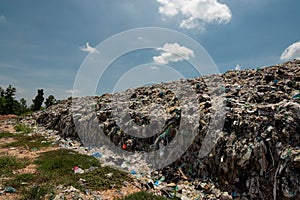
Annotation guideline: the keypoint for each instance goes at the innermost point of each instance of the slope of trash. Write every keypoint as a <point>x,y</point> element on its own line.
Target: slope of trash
<point>257,152</point>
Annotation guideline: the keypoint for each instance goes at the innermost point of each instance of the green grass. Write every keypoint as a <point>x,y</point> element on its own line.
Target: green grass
<point>36,193</point>
<point>29,142</point>
<point>23,128</point>
<point>24,139</point>
<point>26,113</point>
<point>6,135</point>
<point>10,163</point>
<point>19,180</point>
<point>144,196</point>
<point>55,168</point>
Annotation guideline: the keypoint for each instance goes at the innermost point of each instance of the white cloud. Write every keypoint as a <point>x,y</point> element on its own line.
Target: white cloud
<point>73,91</point>
<point>89,49</point>
<point>2,19</point>
<point>196,13</point>
<point>173,52</point>
<point>292,52</point>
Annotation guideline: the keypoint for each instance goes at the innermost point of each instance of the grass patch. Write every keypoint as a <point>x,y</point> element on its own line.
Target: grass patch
<point>6,135</point>
<point>29,142</point>
<point>24,139</point>
<point>10,163</point>
<point>36,193</point>
<point>26,113</point>
<point>55,168</point>
<point>145,196</point>
<point>19,180</point>
<point>23,128</point>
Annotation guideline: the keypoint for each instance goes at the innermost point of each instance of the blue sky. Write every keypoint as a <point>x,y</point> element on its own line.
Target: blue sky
<point>43,42</point>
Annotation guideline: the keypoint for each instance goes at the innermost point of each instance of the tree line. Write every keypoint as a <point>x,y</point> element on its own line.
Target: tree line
<point>9,104</point>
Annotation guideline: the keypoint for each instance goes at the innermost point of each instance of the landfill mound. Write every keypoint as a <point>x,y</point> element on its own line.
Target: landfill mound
<point>257,152</point>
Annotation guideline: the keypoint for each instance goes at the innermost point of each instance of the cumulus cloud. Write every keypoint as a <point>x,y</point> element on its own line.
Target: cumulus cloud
<point>173,52</point>
<point>196,13</point>
<point>2,19</point>
<point>89,49</point>
<point>292,52</point>
<point>73,91</point>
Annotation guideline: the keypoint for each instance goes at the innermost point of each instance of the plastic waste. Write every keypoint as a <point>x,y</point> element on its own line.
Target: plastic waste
<point>296,96</point>
<point>161,94</point>
<point>34,149</point>
<point>157,182</point>
<point>78,170</point>
<point>10,190</point>
<point>262,110</point>
<point>97,155</point>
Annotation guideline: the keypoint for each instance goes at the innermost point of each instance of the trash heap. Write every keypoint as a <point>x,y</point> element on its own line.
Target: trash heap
<point>256,154</point>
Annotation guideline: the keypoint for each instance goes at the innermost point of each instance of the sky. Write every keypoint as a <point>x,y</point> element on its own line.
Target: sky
<point>44,44</point>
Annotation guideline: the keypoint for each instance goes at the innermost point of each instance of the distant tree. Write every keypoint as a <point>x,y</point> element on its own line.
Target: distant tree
<point>1,92</point>
<point>2,101</point>
<point>59,101</point>
<point>23,103</point>
<point>8,104</point>
<point>9,96</point>
<point>50,101</point>
<point>38,101</point>
<point>2,105</point>
<point>23,106</point>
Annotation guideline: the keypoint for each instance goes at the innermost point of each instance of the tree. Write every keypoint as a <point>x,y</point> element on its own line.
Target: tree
<point>2,101</point>
<point>50,101</point>
<point>23,106</point>
<point>8,104</point>
<point>38,101</point>
<point>9,100</point>
<point>9,96</point>
<point>1,92</point>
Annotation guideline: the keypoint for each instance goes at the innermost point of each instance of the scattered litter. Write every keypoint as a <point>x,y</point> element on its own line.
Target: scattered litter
<point>296,96</point>
<point>78,170</point>
<point>256,156</point>
<point>97,155</point>
<point>33,149</point>
<point>10,190</point>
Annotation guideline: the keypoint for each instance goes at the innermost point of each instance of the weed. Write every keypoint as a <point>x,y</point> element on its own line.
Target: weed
<point>23,128</point>
<point>145,196</point>
<point>36,193</point>
<point>26,141</point>
<point>55,168</point>
<point>6,135</point>
<point>10,163</point>
<point>19,180</point>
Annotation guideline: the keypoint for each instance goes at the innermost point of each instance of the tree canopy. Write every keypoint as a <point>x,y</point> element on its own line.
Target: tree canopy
<point>9,104</point>
<point>38,101</point>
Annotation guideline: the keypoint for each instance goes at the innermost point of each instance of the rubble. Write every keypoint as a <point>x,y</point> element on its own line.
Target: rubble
<point>256,156</point>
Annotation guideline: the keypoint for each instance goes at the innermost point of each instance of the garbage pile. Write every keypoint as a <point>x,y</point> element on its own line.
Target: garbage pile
<point>255,156</point>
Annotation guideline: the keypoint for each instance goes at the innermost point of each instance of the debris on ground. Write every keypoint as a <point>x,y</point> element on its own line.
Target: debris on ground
<point>257,153</point>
